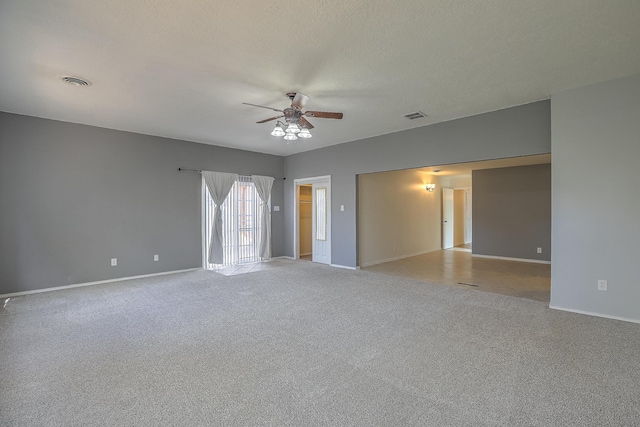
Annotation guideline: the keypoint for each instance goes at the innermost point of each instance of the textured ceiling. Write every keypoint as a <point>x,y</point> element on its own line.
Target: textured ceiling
<point>182,69</point>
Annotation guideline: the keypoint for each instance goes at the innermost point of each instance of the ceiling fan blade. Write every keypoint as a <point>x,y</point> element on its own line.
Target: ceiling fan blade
<point>268,120</point>
<point>305,123</point>
<point>299,101</point>
<point>262,106</point>
<point>323,115</point>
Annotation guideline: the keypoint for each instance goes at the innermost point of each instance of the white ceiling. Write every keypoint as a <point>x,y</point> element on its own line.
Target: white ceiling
<point>183,69</point>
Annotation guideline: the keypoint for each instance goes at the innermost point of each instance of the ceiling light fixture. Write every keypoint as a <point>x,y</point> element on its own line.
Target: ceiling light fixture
<point>304,133</point>
<point>294,125</point>
<point>278,131</point>
<point>293,128</point>
<point>290,131</point>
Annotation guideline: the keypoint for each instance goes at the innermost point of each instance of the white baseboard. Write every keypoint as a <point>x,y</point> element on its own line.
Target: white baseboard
<point>283,257</point>
<point>382,261</point>
<point>589,313</point>
<point>344,266</point>
<point>331,265</point>
<point>536,261</point>
<point>99,282</point>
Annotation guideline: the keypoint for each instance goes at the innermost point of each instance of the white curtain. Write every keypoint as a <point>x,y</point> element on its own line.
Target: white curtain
<point>219,185</point>
<point>263,187</point>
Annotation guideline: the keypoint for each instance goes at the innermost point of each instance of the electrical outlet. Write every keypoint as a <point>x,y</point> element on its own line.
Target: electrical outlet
<point>155,258</point>
<point>114,262</point>
<point>276,208</point>
<point>602,285</point>
<point>539,250</point>
<point>341,208</point>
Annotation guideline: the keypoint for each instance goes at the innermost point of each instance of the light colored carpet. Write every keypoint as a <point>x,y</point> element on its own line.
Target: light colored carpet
<point>304,345</point>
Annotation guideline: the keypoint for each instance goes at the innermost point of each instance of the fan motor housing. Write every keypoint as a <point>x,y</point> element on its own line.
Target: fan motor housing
<point>292,115</point>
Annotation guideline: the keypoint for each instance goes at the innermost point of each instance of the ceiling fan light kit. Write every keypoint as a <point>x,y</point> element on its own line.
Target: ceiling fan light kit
<point>293,128</point>
<point>304,133</point>
<point>278,131</point>
<point>297,126</point>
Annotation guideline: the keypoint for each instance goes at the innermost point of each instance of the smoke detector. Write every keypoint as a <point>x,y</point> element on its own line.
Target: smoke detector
<point>76,81</point>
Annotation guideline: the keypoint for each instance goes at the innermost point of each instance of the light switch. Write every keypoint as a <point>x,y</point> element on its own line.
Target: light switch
<point>276,208</point>
<point>602,285</point>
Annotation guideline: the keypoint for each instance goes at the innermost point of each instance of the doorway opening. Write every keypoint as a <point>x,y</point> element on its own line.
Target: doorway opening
<point>305,214</point>
<point>456,219</point>
<point>312,219</point>
<point>402,229</point>
<point>241,226</point>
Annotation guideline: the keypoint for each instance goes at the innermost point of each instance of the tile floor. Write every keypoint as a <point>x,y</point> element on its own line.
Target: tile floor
<point>459,268</point>
<point>455,267</point>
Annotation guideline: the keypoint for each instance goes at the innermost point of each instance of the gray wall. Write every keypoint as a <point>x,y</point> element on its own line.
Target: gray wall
<point>518,131</point>
<point>596,198</point>
<point>511,213</point>
<point>72,197</point>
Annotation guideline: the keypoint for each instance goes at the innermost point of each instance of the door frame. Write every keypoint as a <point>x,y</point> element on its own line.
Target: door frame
<point>296,207</point>
<point>443,220</point>
<point>468,219</point>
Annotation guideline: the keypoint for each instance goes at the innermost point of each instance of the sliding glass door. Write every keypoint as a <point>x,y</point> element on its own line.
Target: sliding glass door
<point>240,223</point>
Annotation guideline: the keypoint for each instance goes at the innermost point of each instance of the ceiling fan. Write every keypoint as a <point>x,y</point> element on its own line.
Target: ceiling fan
<point>296,123</point>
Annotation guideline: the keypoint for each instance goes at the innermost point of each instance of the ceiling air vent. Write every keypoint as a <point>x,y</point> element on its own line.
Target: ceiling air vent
<point>76,81</point>
<point>416,115</point>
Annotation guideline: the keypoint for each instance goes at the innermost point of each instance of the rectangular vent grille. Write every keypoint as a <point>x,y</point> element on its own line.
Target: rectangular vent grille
<point>416,115</point>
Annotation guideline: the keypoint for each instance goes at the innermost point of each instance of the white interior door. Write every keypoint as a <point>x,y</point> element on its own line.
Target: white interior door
<point>321,218</point>
<point>468,216</point>
<point>447,218</point>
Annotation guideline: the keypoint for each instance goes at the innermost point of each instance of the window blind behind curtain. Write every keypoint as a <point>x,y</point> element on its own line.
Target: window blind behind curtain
<point>247,234</point>
<point>243,218</point>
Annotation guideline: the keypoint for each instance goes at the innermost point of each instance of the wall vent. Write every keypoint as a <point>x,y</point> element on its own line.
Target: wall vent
<point>416,115</point>
<point>76,81</point>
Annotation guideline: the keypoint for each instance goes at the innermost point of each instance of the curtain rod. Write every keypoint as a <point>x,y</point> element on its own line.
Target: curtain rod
<point>200,171</point>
